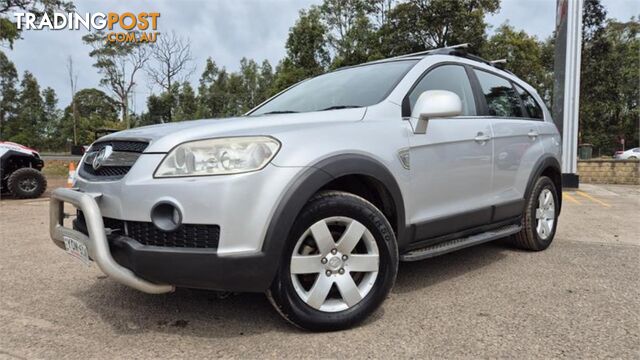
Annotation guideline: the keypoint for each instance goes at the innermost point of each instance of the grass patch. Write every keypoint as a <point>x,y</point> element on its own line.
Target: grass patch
<point>56,168</point>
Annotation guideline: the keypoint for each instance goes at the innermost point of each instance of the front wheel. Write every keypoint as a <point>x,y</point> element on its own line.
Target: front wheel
<point>540,218</point>
<point>27,183</point>
<point>340,263</point>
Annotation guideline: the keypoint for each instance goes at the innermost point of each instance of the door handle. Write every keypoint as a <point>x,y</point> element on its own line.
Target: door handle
<point>482,138</point>
<point>533,134</point>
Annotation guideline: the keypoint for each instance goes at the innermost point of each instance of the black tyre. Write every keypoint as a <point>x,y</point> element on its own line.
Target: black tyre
<point>540,218</point>
<point>339,264</point>
<point>26,183</point>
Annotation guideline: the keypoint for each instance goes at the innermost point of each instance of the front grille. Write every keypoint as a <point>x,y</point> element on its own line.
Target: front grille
<point>119,145</point>
<point>186,236</point>
<point>196,236</point>
<point>118,167</point>
<point>110,171</point>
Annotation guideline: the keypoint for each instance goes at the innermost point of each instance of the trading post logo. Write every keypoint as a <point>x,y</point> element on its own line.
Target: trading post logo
<point>124,27</point>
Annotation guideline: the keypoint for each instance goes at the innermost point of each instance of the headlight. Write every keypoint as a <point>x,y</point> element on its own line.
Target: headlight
<point>218,156</point>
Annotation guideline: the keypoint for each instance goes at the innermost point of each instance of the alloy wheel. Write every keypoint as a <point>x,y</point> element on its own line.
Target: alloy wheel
<point>545,214</point>
<point>334,264</point>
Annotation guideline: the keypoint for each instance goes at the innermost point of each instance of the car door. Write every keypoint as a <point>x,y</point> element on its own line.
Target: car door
<point>516,138</point>
<point>451,163</point>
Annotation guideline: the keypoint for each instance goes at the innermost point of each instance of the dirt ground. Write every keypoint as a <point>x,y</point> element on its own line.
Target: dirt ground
<point>578,299</point>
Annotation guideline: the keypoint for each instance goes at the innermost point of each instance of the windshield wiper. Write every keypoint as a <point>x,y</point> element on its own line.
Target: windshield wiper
<point>338,107</point>
<point>280,112</point>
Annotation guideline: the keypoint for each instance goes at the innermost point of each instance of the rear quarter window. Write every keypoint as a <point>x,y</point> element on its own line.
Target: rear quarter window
<point>534,110</point>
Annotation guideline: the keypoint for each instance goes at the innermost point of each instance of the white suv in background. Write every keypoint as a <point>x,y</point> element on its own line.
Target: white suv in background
<point>631,154</point>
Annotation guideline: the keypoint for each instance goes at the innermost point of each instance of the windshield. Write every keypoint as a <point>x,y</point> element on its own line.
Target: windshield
<point>351,87</point>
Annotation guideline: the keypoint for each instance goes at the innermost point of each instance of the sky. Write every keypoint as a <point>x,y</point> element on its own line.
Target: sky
<point>226,31</point>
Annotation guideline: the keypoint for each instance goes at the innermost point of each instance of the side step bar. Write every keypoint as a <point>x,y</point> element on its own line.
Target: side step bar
<point>461,243</point>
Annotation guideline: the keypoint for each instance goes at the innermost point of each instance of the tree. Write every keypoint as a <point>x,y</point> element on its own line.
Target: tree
<point>95,110</point>
<point>609,91</point>
<point>250,75</point>
<point>27,129</point>
<point>418,25</point>
<point>159,108</point>
<point>51,119</point>
<point>380,10</point>
<point>265,82</point>
<point>73,83</point>
<point>119,63</point>
<point>9,31</point>
<point>213,97</point>
<point>307,53</point>
<point>172,59</point>
<point>593,20</point>
<point>187,103</point>
<point>8,92</point>
<point>522,52</point>
<point>171,56</point>
<point>350,31</point>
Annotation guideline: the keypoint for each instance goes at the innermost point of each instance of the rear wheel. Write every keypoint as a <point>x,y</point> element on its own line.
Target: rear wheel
<point>340,263</point>
<point>540,218</point>
<point>26,183</point>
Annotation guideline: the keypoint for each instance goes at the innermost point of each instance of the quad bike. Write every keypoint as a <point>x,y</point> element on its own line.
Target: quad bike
<point>20,171</point>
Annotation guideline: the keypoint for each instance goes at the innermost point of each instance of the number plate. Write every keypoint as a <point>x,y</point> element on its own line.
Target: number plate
<point>77,249</point>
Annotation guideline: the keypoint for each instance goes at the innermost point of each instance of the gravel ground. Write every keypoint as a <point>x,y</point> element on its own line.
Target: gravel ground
<point>578,299</point>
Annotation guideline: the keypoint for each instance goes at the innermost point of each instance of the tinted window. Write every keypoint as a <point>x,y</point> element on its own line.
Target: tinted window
<point>448,77</point>
<point>502,100</point>
<point>357,86</point>
<point>533,109</point>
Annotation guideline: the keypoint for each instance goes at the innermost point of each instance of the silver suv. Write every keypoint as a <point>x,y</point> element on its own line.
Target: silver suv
<point>315,195</point>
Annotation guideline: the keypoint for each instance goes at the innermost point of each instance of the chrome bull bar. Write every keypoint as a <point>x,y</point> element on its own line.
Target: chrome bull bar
<point>96,242</point>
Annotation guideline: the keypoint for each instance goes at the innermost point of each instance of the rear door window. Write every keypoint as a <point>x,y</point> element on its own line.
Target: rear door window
<point>502,99</point>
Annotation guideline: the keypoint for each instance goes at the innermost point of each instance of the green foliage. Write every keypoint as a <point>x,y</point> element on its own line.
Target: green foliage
<point>417,25</point>
<point>224,94</point>
<point>334,34</point>
<point>9,31</point>
<point>187,106</point>
<point>609,87</point>
<point>307,50</point>
<point>27,127</point>
<point>521,51</point>
<point>95,110</point>
<point>8,92</point>
<point>159,108</point>
<point>351,33</point>
<point>119,63</point>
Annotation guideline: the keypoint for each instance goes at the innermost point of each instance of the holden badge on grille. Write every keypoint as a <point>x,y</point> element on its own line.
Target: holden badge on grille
<point>102,156</point>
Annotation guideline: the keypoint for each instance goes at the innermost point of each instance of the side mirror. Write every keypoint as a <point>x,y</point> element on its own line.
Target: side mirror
<point>435,104</point>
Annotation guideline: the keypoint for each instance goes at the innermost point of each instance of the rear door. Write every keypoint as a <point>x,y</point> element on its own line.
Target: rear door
<point>514,118</point>
<point>451,164</point>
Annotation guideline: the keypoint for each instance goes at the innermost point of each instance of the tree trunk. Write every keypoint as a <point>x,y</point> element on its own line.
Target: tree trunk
<point>125,114</point>
<point>2,124</point>
<point>75,122</point>
<point>169,90</point>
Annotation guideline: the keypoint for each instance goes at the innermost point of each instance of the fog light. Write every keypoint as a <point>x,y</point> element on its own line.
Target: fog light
<point>166,216</point>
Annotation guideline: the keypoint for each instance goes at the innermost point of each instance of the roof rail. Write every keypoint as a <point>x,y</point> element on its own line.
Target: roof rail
<point>427,52</point>
<point>500,63</point>
<point>461,51</point>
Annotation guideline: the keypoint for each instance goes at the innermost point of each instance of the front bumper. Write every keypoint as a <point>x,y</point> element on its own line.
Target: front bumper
<point>96,243</point>
<point>155,269</point>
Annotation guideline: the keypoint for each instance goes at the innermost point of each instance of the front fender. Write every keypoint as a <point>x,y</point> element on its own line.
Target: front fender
<point>309,182</point>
